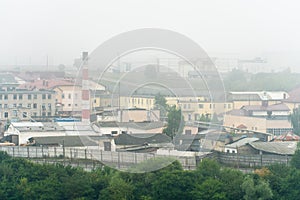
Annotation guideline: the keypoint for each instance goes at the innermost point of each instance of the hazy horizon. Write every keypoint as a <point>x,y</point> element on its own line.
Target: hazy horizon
<point>34,31</point>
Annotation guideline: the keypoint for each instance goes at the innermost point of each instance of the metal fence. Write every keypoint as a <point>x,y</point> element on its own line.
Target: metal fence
<point>115,159</point>
<point>252,161</point>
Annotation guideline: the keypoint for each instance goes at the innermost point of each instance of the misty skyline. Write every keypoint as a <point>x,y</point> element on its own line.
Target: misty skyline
<point>34,30</point>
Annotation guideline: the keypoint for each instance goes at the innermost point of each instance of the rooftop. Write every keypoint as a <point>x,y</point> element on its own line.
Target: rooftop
<point>141,139</point>
<point>241,142</point>
<point>282,148</point>
<point>68,141</point>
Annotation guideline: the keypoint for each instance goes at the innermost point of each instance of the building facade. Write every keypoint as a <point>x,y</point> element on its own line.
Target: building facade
<point>20,105</point>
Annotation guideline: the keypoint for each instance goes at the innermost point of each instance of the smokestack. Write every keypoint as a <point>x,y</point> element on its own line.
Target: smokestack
<point>85,113</point>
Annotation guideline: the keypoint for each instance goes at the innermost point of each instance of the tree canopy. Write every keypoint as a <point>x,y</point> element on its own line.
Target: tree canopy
<point>22,179</point>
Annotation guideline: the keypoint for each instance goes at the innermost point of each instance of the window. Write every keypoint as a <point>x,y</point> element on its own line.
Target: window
<point>95,101</point>
<point>20,96</point>
<point>0,96</point>
<point>49,106</point>
<point>49,96</point>
<point>43,114</point>
<point>69,105</point>
<point>29,96</point>
<point>62,96</point>
<point>188,132</point>
<point>44,106</point>
<point>15,113</point>
<point>5,114</point>
<point>201,106</point>
<point>76,104</point>
<point>114,132</point>
<point>210,106</point>
<point>44,96</point>
<point>5,97</point>
<point>29,105</point>
<point>20,105</point>
<point>69,96</point>
<point>49,113</point>
<point>5,106</point>
<point>35,96</point>
<point>0,105</point>
<point>35,114</point>
<point>24,114</point>
<point>225,105</point>
<point>34,105</point>
<point>14,105</point>
<point>15,96</point>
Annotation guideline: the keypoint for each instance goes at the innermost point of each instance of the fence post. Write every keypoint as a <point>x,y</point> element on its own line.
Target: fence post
<point>118,160</point>
<point>71,153</point>
<point>13,152</point>
<point>27,152</point>
<point>85,157</point>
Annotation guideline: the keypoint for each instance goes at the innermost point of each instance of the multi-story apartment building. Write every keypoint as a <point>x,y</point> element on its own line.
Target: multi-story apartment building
<point>68,100</point>
<point>17,104</point>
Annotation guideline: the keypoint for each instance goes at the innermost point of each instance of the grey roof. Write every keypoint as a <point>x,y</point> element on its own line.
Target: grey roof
<point>6,78</point>
<point>37,127</point>
<point>140,139</point>
<point>25,91</point>
<point>136,125</point>
<point>283,148</point>
<point>274,107</point>
<point>241,142</point>
<point>68,141</point>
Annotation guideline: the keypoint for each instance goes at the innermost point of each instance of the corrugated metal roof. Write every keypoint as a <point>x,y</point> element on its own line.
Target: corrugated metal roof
<point>283,148</point>
<point>241,142</point>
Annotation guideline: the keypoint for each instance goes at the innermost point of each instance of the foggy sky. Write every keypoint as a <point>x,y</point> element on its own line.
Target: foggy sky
<point>32,29</point>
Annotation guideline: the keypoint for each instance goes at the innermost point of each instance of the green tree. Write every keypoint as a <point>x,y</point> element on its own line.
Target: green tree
<point>232,180</point>
<point>294,118</point>
<point>118,189</point>
<point>256,188</point>
<point>160,103</point>
<point>210,189</point>
<point>175,122</point>
<point>295,162</point>
<point>174,185</point>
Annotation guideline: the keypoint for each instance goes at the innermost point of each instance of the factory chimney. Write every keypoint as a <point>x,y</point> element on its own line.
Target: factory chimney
<point>85,113</point>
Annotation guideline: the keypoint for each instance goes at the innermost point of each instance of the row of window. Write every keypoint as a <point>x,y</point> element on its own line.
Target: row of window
<point>201,106</point>
<point>140,101</point>
<point>25,114</point>
<point>29,105</point>
<point>20,96</point>
<point>278,131</point>
<point>70,105</point>
<point>63,96</point>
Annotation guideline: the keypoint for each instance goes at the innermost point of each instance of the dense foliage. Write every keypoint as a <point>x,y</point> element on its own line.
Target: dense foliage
<point>294,118</point>
<point>238,80</point>
<point>22,179</point>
